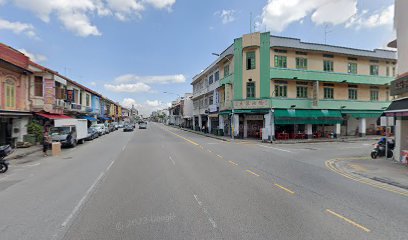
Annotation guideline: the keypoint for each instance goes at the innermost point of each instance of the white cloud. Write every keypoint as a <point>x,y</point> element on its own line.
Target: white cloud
<point>76,15</point>
<point>147,107</point>
<point>33,57</point>
<point>227,16</point>
<point>278,14</point>
<point>385,17</point>
<point>18,27</point>
<point>128,87</point>
<point>160,79</point>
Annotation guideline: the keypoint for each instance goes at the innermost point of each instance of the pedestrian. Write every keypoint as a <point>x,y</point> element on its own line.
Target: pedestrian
<point>46,142</point>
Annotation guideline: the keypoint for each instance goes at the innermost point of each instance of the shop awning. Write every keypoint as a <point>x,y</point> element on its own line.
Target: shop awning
<point>400,105</point>
<point>302,116</point>
<point>14,113</point>
<point>226,112</point>
<point>363,114</point>
<point>53,116</point>
<point>89,118</point>
<point>251,110</point>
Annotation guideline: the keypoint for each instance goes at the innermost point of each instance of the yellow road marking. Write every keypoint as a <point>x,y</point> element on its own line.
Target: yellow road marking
<point>285,189</point>
<point>249,171</point>
<point>236,164</point>
<point>348,220</point>
<point>219,156</point>
<point>330,165</point>
<point>188,140</point>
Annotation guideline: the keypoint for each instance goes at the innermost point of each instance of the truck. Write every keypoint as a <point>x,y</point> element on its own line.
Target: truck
<point>69,132</point>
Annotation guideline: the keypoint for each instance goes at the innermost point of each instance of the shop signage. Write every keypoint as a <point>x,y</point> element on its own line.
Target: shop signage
<point>70,95</point>
<point>251,104</point>
<point>213,108</point>
<point>49,91</point>
<point>254,117</point>
<point>399,86</point>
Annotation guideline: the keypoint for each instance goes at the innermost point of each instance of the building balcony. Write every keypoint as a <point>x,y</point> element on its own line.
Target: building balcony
<point>311,75</point>
<point>227,80</point>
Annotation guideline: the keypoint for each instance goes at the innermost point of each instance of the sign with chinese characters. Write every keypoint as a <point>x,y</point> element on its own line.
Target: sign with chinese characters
<point>399,86</point>
<point>70,96</point>
<point>49,91</point>
<point>252,104</point>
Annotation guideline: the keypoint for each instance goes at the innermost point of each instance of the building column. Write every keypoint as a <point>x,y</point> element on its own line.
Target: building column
<point>309,131</point>
<point>200,123</point>
<point>221,122</point>
<point>194,123</point>
<point>338,130</point>
<point>209,124</point>
<point>245,127</point>
<point>362,127</point>
<point>236,125</point>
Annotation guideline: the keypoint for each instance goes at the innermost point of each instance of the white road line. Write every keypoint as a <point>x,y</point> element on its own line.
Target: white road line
<point>204,209</point>
<point>82,201</point>
<point>279,149</point>
<point>110,165</point>
<point>174,163</point>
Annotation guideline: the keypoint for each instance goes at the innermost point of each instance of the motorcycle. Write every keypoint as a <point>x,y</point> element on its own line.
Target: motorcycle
<point>379,149</point>
<point>4,152</point>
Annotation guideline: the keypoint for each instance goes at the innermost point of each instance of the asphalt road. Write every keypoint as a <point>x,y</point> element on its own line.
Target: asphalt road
<point>164,183</point>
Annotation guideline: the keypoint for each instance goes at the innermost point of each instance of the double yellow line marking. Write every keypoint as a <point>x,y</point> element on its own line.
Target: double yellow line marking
<point>348,221</point>
<point>330,164</point>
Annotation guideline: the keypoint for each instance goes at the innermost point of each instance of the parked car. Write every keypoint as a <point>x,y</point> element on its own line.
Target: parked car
<point>128,128</point>
<point>92,134</point>
<point>115,125</point>
<point>111,127</point>
<point>100,128</point>
<point>142,125</point>
<point>121,125</point>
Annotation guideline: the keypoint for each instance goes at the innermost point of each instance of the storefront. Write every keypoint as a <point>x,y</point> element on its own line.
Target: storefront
<point>13,126</point>
<point>399,110</point>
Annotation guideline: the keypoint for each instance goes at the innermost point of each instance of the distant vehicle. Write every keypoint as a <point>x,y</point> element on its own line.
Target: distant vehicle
<point>142,125</point>
<point>4,152</point>
<point>111,127</point>
<point>115,125</point>
<point>120,125</point>
<point>69,132</point>
<point>100,128</point>
<point>128,128</point>
<point>92,134</point>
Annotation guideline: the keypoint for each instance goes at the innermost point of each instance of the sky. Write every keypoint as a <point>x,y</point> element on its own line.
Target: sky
<point>132,51</point>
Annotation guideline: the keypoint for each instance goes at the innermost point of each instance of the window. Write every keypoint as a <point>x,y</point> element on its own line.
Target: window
<point>250,89</point>
<point>328,66</point>
<point>80,97</point>
<point>38,86</point>
<point>10,88</point>
<point>328,56</point>
<point>280,61</point>
<point>210,100</point>
<point>352,58</point>
<point>352,68</point>
<point>328,93</point>
<point>281,90</point>
<point>301,92</point>
<point>387,71</point>
<point>87,99</point>
<point>216,76</point>
<point>352,93</point>
<point>210,79</point>
<point>393,71</point>
<point>301,53</point>
<point>301,63</point>
<point>226,70</point>
<point>280,51</point>
<point>373,69</point>
<point>250,57</point>
<point>374,95</point>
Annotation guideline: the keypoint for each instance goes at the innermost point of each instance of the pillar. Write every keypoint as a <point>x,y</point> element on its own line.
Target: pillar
<point>245,127</point>
<point>221,122</point>
<point>200,123</point>
<point>236,124</point>
<point>338,130</point>
<point>362,127</point>
<point>194,128</point>
<point>309,131</point>
<point>209,124</point>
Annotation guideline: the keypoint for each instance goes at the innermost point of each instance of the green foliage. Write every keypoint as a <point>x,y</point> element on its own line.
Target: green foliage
<point>35,129</point>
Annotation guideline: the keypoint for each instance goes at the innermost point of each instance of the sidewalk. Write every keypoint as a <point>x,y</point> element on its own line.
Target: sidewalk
<point>379,171</point>
<point>22,152</point>
<point>373,138</point>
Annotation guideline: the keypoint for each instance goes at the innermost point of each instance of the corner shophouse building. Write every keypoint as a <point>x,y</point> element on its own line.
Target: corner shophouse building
<point>287,86</point>
<point>14,86</point>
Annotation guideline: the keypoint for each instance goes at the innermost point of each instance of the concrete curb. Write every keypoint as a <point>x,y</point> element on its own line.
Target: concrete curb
<point>22,155</point>
<point>394,187</point>
<point>281,142</point>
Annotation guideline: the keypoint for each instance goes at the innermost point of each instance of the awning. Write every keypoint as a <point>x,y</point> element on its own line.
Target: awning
<point>105,118</point>
<point>213,115</point>
<point>363,114</point>
<point>14,113</point>
<point>302,116</point>
<point>398,108</point>
<point>89,118</point>
<point>226,112</point>
<point>53,116</point>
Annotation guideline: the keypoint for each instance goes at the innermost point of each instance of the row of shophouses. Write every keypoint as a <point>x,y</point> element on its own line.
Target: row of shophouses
<point>272,87</point>
<point>30,91</point>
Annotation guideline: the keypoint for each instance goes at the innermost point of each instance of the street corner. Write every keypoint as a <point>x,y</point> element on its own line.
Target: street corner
<point>379,173</point>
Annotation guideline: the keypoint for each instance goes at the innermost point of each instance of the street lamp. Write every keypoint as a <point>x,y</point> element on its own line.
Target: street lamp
<point>232,107</point>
